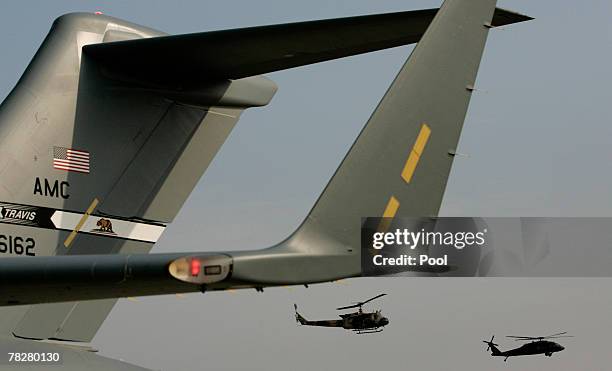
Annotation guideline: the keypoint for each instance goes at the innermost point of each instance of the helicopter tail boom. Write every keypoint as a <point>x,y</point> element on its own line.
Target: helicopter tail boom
<point>298,317</point>
<point>495,351</point>
<point>303,321</point>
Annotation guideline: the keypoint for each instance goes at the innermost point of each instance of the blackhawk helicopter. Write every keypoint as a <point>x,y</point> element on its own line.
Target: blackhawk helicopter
<point>359,322</point>
<point>537,345</point>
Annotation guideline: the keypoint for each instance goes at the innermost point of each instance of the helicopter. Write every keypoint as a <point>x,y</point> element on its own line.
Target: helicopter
<point>359,322</point>
<point>537,345</point>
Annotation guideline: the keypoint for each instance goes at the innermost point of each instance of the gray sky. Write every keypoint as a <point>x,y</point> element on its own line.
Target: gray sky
<point>538,139</point>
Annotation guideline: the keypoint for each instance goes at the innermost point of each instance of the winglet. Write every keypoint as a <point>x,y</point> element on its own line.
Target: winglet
<point>504,17</point>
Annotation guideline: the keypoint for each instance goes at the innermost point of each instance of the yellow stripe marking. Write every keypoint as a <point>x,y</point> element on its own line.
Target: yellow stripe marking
<point>415,153</point>
<point>79,225</point>
<point>392,207</point>
<point>390,211</point>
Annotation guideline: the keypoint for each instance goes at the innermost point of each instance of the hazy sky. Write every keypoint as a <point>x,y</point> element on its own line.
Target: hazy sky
<point>538,139</point>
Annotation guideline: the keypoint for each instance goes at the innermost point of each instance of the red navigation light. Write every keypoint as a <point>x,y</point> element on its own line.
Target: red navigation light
<point>195,267</point>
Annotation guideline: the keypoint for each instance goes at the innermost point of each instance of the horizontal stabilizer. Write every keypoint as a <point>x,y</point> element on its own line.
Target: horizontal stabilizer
<point>183,61</point>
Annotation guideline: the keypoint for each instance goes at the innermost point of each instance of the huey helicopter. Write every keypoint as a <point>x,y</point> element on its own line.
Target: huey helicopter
<point>538,345</point>
<point>359,322</point>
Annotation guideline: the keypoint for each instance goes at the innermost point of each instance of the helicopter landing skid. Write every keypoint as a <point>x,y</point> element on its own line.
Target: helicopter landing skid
<point>367,331</point>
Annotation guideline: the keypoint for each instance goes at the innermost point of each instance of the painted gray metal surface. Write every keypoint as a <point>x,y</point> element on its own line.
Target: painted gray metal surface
<point>256,50</point>
<point>439,73</point>
<point>431,89</point>
<point>147,151</point>
<point>151,137</point>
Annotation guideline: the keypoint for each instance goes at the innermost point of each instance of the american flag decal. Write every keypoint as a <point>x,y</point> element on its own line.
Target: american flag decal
<point>69,159</point>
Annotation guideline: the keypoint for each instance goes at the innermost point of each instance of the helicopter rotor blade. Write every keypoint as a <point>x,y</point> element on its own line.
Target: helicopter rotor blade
<point>360,303</point>
<point>349,306</point>
<point>374,298</point>
<point>490,342</point>
<point>561,333</point>
<point>540,338</point>
<point>525,338</point>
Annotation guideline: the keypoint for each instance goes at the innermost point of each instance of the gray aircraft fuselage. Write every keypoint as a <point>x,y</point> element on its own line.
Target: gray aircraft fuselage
<point>112,125</point>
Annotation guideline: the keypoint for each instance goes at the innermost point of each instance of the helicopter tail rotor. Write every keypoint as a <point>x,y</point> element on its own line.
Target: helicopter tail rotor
<point>490,344</point>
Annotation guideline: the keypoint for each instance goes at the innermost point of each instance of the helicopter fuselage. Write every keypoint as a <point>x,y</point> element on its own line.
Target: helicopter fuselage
<point>535,347</point>
<point>361,320</point>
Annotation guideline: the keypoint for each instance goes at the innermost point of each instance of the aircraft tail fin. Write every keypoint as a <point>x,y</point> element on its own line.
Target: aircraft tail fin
<point>298,317</point>
<point>91,165</point>
<point>147,146</point>
<point>400,163</point>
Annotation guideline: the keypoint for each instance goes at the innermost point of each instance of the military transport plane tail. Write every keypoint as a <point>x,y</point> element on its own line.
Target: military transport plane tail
<point>113,136</point>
